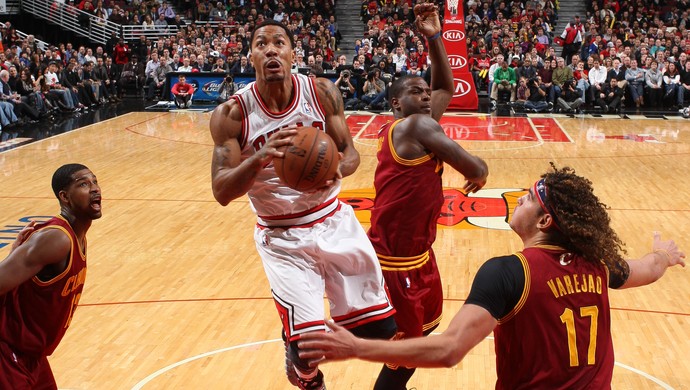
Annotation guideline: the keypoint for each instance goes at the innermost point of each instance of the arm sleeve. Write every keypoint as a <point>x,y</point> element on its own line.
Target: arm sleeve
<point>498,285</point>
<point>618,274</point>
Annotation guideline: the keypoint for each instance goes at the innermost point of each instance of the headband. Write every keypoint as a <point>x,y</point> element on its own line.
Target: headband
<point>540,191</point>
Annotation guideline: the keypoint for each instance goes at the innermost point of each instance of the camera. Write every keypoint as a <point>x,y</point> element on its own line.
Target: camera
<point>346,74</point>
<point>228,79</point>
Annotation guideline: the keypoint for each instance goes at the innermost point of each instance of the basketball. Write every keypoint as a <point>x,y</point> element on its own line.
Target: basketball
<point>311,160</point>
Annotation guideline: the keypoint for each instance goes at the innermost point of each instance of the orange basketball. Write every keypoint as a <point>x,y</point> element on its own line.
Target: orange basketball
<point>310,160</point>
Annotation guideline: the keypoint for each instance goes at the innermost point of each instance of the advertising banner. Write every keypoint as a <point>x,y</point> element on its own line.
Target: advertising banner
<point>465,96</point>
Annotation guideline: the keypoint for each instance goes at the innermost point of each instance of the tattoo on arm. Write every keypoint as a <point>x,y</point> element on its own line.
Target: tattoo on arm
<point>332,95</point>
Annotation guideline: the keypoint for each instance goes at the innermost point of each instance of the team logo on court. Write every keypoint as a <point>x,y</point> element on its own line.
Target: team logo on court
<point>456,61</point>
<point>487,209</point>
<point>462,87</point>
<point>453,35</point>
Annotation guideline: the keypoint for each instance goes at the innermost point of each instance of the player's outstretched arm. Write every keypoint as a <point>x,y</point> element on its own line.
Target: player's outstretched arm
<point>45,247</point>
<point>231,176</point>
<point>430,134</point>
<point>336,125</point>
<point>650,267</point>
<point>428,23</point>
<point>469,327</point>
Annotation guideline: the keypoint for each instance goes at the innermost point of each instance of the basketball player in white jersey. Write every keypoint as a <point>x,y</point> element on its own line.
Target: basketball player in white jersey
<point>310,243</point>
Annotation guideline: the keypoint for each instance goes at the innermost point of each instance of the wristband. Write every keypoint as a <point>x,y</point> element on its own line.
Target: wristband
<point>434,37</point>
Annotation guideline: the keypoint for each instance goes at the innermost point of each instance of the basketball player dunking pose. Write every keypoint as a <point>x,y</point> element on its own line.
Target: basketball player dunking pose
<point>42,279</point>
<point>309,242</point>
<point>547,305</point>
<point>409,192</point>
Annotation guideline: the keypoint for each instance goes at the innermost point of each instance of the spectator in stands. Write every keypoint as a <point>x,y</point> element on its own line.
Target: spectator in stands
<point>220,65</point>
<point>611,95</point>
<point>597,80</point>
<point>684,88</point>
<point>55,90</point>
<point>654,80</point>
<point>400,61</point>
<point>636,82</point>
<point>133,76</point>
<point>73,80</point>
<point>504,80</point>
<point>559,76</point>
<point>121,54</point>
<point>161,24</point>
<point>347,90</point>
<point>167,12</point>
<point>182,93</point>
<point>8,95</point>
<point>186,65</point>
<point>673,83</point>
<point>374,91</point>
<point>570,100</point>
<point>313,67</point>
<point>536,97</point>
<point>242,67</point>
<point>158,79</point>
<point>148,23</point>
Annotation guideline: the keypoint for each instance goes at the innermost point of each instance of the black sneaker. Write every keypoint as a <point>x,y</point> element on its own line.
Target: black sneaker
<point>315,384</point>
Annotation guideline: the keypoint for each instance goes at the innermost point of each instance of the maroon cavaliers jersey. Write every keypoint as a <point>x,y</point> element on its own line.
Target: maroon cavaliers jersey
<point>408,200</point>
<point>35,315</point>
<point>561,327</point>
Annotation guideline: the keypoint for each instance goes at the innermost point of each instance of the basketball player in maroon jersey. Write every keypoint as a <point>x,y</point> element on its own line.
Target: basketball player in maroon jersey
<point>310,243</point>
<point>409,193</point>
<point>41,281</point>
<point>548,305</point>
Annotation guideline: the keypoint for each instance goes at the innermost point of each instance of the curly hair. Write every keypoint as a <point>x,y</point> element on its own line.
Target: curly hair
<point>584,223</point>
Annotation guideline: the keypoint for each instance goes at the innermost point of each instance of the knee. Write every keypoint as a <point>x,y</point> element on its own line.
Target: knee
<point>381,329</point>
<point>293,354</point>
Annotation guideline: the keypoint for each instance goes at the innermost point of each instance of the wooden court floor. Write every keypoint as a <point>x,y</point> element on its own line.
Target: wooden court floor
<point>176,296</point>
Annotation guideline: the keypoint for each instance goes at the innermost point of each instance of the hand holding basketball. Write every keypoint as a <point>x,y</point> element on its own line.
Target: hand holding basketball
<point>275,144</point>
<point>309,162</point>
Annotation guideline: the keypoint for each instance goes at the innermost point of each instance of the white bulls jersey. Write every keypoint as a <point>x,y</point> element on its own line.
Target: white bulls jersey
<point>268,196</point>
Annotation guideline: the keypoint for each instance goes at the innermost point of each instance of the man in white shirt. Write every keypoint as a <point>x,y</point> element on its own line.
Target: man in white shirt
<point>399,59</point>
<point>597,80</point>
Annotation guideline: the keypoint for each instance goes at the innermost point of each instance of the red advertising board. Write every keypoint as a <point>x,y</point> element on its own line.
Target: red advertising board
<point>465,96</point>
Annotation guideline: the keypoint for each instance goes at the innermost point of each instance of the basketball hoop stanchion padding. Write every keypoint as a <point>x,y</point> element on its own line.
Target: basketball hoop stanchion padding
<point>454,38</point>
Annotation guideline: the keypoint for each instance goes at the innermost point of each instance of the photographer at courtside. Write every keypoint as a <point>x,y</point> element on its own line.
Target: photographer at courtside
<point>227,88</point>
<point>347,90</point>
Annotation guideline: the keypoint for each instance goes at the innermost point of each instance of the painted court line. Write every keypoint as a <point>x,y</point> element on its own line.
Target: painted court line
<point>163,370</point>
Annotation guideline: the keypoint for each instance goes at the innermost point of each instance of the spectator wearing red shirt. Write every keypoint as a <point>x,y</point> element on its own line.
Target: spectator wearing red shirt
<point>183,93</point>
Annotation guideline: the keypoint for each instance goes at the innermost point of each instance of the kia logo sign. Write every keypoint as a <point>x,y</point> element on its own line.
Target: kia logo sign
<point>462,88</point>
<point>456,61</point>
<point>454,35</point>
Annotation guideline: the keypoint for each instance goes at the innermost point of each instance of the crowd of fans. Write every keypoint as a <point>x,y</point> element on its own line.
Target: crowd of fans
<point>633,51</point>
<point>620,51</point>
<point>63,79</point>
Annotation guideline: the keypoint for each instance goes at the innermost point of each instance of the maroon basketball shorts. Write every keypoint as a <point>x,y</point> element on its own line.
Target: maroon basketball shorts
<point>19,372</point>
<point>414,285</point>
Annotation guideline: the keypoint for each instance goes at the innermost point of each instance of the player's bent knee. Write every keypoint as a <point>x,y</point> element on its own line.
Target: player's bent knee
<point>293,354</point>
<point>381,329</point>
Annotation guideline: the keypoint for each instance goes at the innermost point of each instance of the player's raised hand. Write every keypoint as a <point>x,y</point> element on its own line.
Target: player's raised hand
<point>427,19</point>
<point>668,248</point>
